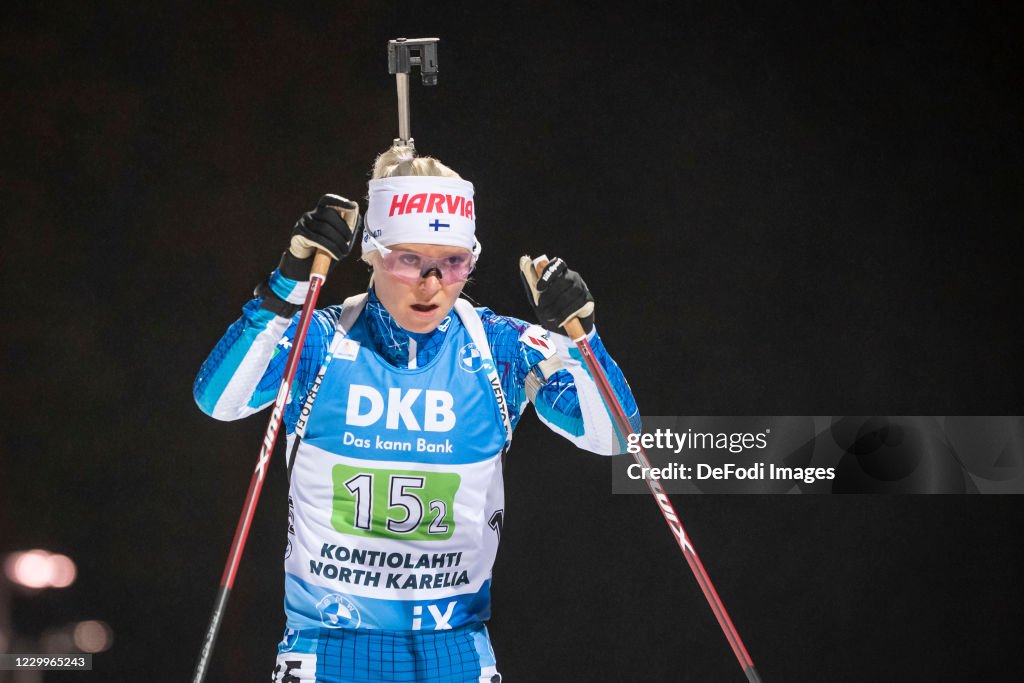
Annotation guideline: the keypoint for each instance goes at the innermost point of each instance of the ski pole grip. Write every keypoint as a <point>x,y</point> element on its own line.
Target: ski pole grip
<point>349,214</point>
<point>573,327</point>
<point>321,264</point>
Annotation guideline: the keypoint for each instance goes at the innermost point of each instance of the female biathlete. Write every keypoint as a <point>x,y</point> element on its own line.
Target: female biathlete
<point>401,411</point>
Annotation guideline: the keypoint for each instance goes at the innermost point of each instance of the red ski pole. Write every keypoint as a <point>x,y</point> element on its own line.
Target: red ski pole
<point>317,276</point>
<point>574,329</point>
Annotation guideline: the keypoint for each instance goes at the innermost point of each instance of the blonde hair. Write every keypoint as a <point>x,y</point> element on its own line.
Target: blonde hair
<point>401,160</point>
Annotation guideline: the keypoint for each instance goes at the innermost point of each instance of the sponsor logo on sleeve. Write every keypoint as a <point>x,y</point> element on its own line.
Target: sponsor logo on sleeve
<point>539,339</point>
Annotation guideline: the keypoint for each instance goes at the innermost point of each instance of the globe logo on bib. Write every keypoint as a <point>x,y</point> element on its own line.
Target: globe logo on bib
<point>337,611</point>
<point>471,360</point>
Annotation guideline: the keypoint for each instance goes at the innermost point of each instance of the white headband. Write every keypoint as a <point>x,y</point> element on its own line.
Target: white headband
<point>420,210</point>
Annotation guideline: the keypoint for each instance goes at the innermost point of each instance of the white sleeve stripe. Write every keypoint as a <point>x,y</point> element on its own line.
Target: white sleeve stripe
<point>234,400</point>
<point>598,430</point>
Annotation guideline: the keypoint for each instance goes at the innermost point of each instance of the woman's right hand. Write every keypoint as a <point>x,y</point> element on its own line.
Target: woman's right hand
<point>330,227</point>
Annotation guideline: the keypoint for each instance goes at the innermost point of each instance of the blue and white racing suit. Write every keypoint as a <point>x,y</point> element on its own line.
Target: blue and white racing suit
<point>395,445</point>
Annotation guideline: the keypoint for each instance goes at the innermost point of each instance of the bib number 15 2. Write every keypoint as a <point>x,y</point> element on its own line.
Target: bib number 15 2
<point>394,503</point>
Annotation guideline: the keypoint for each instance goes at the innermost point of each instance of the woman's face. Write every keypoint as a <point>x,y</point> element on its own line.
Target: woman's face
<point>418,306</point>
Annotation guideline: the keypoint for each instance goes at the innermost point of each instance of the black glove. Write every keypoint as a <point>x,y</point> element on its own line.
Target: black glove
<point>557,295</point>
<point>332,227</point>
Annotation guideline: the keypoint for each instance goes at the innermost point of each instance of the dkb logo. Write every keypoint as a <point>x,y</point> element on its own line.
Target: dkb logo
<point>435,409</point>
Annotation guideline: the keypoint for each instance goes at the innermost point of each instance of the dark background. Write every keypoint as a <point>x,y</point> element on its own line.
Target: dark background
<point>779,210</point>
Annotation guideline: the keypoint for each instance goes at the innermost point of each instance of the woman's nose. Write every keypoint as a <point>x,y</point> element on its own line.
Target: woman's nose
<point>431,281</point>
